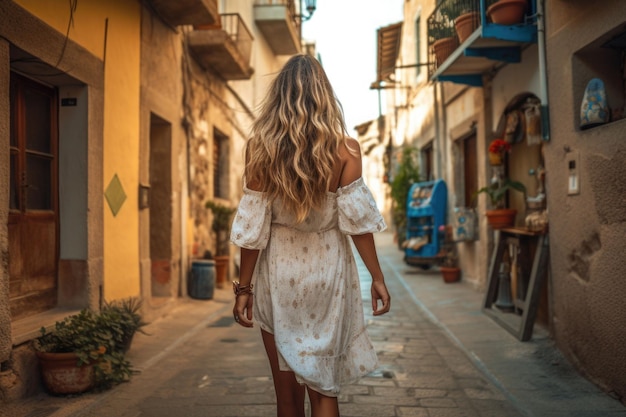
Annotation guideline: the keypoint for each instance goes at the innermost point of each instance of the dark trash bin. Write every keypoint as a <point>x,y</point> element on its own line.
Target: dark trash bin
<point>202,279</point>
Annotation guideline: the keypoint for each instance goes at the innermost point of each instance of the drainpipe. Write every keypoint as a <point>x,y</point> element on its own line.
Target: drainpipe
<point>440,128</point>
<point>543,72</point>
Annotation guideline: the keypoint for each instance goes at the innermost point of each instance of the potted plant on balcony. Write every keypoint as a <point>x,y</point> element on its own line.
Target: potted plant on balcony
<point>468,19</point>
<point>507,12</point>
<point>221,226</point>
<point>442,33</point>
<point>500,217</point>
<point>81,354</point>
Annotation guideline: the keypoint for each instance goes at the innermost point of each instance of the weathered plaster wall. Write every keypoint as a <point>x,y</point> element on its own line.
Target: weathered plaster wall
<point>587,231</point>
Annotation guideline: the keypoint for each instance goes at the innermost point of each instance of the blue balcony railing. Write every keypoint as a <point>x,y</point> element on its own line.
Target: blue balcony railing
<point>464,39</point>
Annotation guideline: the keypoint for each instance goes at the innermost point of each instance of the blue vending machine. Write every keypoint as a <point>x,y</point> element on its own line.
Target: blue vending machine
<point>426,212</point>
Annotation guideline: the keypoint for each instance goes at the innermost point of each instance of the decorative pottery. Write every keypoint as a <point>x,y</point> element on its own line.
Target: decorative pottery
<point>450,274</point>
<point>594,110</point>
<point>507,12</point>
<point>61,375</point>
<point>495,158</point>
<point>221,270</point>
<point>466,24</point>
<point>442,48</point>
<point>501,218</point>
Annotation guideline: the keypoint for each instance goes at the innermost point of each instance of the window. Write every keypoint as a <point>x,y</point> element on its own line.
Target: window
<point>220,165</point>
<point>32,145</point>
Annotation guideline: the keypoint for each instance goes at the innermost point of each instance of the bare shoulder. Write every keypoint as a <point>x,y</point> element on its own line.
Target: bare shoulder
<point>351,158</point>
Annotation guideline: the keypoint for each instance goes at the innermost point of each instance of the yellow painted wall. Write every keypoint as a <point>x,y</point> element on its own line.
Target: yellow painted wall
<point>121,119</point>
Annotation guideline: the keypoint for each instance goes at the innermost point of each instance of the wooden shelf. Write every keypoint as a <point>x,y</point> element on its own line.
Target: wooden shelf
<point>520,318</point>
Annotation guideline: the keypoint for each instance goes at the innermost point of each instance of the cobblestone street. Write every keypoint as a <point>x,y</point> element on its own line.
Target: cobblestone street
<point>197,362</point>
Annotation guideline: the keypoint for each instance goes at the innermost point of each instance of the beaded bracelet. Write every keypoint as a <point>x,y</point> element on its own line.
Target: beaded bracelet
<point>238,289</point>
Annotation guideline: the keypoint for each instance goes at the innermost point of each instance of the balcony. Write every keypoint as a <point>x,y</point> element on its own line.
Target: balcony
<point>279,23</point>
<point>187,12</point>
<point>225,48</point>
<point>464,56</point>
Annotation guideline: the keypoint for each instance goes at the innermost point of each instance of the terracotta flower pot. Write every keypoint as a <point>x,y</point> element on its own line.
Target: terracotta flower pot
<point>221,270</point>
<point>501,218</point>
<point>507,12</point>
<point>61,375</point>
<point>466,24</point>
<point>450,274</point>
<point>442,48</point>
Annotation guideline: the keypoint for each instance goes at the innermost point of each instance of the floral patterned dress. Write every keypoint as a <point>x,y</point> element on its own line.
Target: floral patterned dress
<point>307,290</point>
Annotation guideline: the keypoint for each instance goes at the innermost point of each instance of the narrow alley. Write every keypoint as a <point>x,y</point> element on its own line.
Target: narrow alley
<point>439,357</point>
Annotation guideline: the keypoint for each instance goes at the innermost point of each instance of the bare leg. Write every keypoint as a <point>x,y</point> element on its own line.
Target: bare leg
<point>289,393</point>
<point>322,405</point>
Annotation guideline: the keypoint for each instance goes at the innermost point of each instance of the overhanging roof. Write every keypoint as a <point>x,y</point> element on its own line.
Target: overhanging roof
<point>388,48</point>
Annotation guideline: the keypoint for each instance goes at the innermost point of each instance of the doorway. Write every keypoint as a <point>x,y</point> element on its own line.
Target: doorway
<point>160,204</point>
<point>33,226</point>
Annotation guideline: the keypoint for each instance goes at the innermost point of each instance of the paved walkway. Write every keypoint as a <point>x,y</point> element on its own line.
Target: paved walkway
<point>439,356</point>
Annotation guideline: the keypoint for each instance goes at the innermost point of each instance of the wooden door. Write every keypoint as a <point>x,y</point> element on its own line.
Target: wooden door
<point>470,170</point>
<point>33,215</point>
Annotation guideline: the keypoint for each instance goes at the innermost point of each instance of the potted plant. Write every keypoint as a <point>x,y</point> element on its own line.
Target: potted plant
<point>81,353</point>
<point>449,268</point>
<point>441,32</point>
<point>126,314</point>
<point>500,217</point>
<point>221,226</point>
<point>406,175</point>
<point>497,149</point>
<point>467,21</point>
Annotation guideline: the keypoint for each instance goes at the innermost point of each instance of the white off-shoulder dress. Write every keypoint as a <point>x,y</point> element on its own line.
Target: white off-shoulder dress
<point>306,284</point>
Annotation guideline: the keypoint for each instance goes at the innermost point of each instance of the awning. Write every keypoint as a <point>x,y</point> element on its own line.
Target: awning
<point>388,48</point>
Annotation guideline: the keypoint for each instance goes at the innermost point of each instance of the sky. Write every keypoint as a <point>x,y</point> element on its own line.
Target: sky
<point>345,34</point>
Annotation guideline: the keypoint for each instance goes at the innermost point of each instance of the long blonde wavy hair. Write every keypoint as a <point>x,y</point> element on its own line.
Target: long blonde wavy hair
<point>294,142</point>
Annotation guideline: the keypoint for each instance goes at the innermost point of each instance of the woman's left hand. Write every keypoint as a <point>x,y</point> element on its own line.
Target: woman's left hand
<point>242,311</point>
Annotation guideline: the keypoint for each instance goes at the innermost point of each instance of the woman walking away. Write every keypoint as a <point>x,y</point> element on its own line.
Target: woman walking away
<point>303,195</point>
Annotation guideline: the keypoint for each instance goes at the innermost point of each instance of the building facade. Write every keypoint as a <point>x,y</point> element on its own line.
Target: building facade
<point>523,82</point>
<point>120,120</point>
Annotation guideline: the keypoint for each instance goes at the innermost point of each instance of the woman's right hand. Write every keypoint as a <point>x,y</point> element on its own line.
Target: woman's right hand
<point>242,311</point>
<point>379,292</point>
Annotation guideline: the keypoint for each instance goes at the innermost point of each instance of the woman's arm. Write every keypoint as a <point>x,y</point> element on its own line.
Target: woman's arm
<point>243,302</point>
<point>367,250</point>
